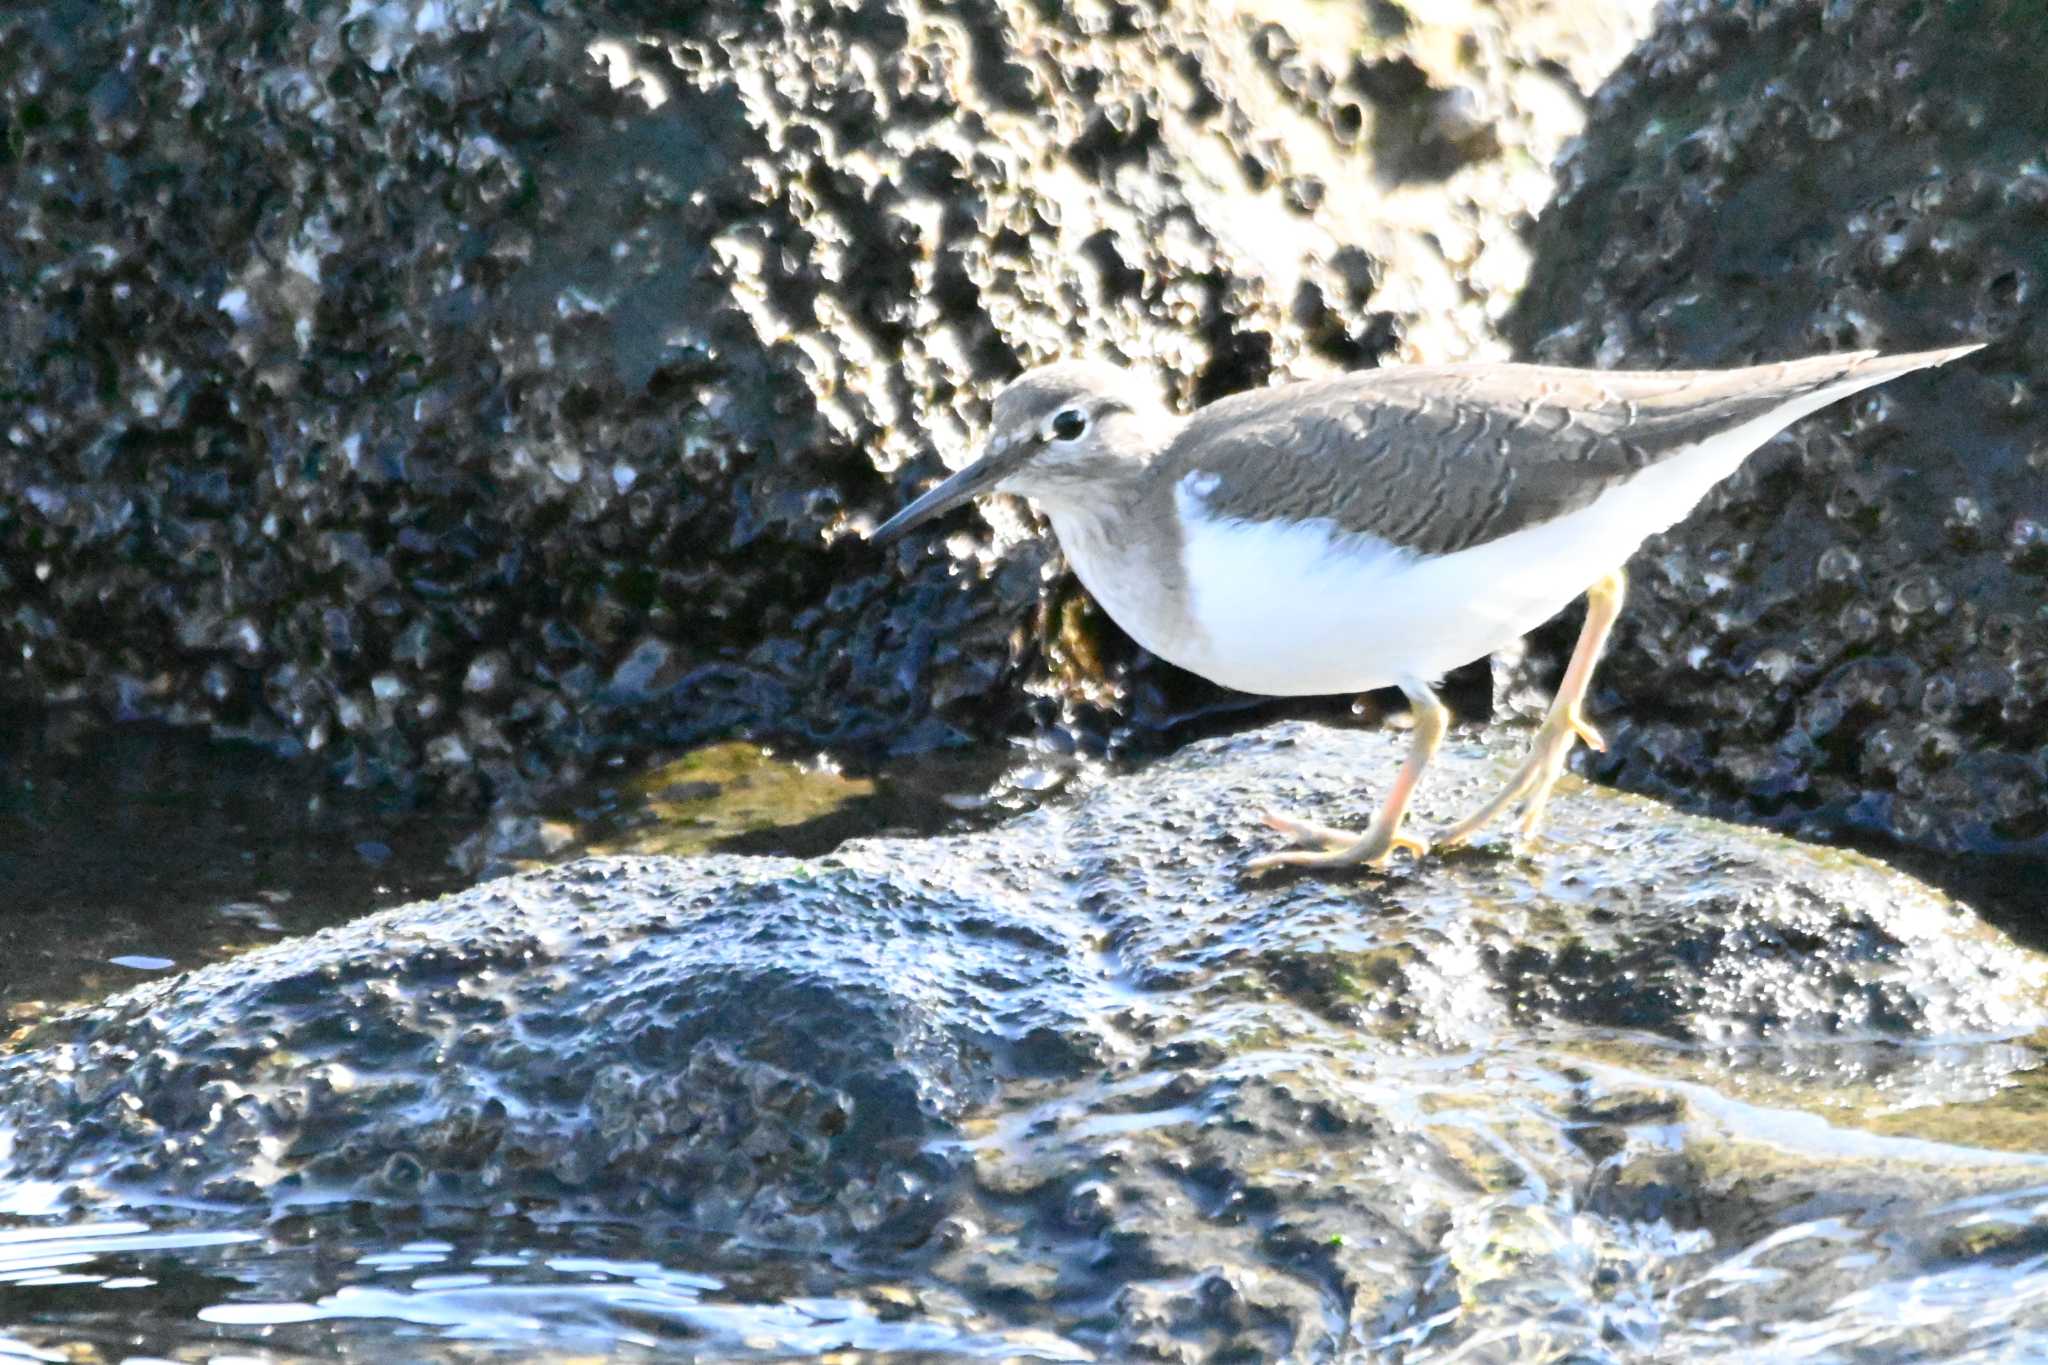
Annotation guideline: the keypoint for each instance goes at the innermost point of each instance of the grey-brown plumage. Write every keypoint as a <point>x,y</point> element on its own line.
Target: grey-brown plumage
<point>1441,458</point>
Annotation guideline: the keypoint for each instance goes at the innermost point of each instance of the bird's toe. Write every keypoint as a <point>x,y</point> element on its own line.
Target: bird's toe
<point>1334,848</point>
<point>1306,833</point>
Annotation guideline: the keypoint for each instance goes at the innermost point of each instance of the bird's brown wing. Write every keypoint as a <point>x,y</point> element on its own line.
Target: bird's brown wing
<point>1441,458</point>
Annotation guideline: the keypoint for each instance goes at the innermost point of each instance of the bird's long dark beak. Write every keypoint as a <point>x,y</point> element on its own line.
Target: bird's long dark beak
<point>983,474</point>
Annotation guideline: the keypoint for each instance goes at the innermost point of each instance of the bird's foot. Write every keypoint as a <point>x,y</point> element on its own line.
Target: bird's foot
<point>1325,846</point>
<point>1533,781</point>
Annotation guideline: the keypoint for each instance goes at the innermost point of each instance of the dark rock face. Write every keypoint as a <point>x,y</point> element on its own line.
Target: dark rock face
<point>389,384</point>
<point>1072,1074</point>
<point>612,1036</point>
<point>1850,633</point>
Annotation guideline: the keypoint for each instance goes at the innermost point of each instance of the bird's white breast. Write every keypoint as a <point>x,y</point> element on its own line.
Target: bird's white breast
<point>1295,608</point>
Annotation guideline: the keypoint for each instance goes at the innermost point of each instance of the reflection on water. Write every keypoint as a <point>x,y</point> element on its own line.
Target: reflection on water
<point>131,852</point>
<point>1565,1264</point>
<point>68,1293</point>
<point>1651,1293</point>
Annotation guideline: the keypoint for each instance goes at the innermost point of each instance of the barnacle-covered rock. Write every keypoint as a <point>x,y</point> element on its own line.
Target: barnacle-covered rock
<point>1675,1081</point>
<point>1850,633</point>
<point>456,388</point>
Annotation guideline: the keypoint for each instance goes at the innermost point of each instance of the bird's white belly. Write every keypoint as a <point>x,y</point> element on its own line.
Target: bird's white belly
<point>1302,608</point>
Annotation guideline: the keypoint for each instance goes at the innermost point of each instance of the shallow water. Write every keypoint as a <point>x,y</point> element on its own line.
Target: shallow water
<point>319,1288</point>
<point>129,853</point>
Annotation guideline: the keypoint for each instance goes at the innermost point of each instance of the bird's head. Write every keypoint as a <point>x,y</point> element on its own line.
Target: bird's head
<point>1060,433</point>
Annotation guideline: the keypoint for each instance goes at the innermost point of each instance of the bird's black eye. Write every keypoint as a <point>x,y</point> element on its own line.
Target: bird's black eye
<point>1069,424</point>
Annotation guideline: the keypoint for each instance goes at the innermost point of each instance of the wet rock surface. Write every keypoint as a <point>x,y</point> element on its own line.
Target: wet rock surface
<point>1849,635</point>
<point>382,381</point>
<point>1671,1086</point>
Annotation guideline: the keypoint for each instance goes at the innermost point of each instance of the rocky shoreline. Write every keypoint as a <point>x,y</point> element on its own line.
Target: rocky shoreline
<point>1076,1074</point>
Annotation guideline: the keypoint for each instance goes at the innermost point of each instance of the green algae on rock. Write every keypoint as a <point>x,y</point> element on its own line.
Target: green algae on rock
<point>1075,1073</point>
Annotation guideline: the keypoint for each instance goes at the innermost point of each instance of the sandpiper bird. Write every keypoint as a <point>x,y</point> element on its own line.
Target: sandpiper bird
<point>1382,528</point>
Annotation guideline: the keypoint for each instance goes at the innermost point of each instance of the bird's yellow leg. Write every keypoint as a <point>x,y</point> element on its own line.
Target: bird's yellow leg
<point>1322,846</point>
<point>1565,724</point>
